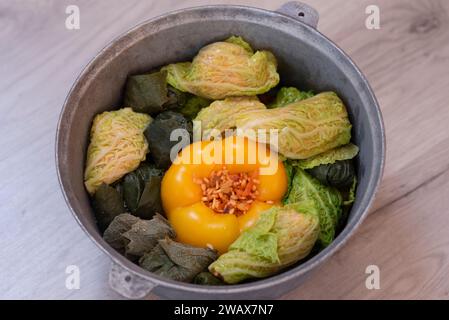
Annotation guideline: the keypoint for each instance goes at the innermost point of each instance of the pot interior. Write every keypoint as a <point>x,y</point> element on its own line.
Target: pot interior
<point>306,60</point>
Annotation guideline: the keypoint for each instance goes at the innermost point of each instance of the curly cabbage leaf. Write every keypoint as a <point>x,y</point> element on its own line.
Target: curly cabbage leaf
<point>223,114</point>
<point>223,69</point>
<point>287,95</point>
<point>240,42</point>
<point>290,171</point>
<point>281,237</point>
<point>348,195</point>
<point>326,201</point>
<point>345,152</point>
<point>117,146</point>
<point>349,200</point>
<point>261,240</point>
<point>305,128</point>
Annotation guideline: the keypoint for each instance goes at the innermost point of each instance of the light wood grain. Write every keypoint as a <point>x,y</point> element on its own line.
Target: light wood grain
<point>406,62</point>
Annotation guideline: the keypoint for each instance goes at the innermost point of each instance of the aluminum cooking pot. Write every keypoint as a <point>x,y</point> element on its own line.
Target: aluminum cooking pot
<point>307,59</point>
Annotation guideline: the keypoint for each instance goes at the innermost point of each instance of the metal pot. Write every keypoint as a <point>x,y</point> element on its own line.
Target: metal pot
<point>307,59</point>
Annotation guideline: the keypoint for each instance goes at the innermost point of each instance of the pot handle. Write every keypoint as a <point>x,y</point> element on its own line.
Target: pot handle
<point>127,284</point>
<point>300,11</point>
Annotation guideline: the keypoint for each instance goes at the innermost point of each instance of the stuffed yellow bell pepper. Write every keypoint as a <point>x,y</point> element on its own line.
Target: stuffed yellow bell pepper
<point>216,189</point>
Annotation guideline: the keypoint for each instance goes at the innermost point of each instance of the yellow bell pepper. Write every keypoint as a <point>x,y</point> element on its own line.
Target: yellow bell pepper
<point>197,224</point>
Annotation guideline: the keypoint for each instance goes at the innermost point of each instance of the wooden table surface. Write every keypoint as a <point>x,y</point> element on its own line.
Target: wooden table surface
<point>406,61</point>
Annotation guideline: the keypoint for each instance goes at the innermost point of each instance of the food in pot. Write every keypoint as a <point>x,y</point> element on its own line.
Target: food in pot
<point>305,128</point>
<point>108,204</point>
<point>281,237</point>
<point>212,174</point>
<point>141,190</point>
<point>159,132</point>
<point>147,92</point>
<point>324,200</point>
<point>219,199</point>
<point>177,261</point>
<point>117,146</point>
<point>137,236</point>
<point>346,152</point>
<point>287,95</point>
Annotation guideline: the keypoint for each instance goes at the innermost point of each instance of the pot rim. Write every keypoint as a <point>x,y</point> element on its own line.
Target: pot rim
<point>282,277</point>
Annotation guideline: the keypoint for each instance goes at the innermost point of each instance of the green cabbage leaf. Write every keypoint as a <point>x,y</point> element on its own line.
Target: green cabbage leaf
<point>325,201</point>
<point>240,42</point>
<point>281,237</point>
<point>223,69</point>
<point>305,128</point>
<point>287,95</point>
<point>345,152</point>
<point>290,171</point>
<point>117,146</point>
